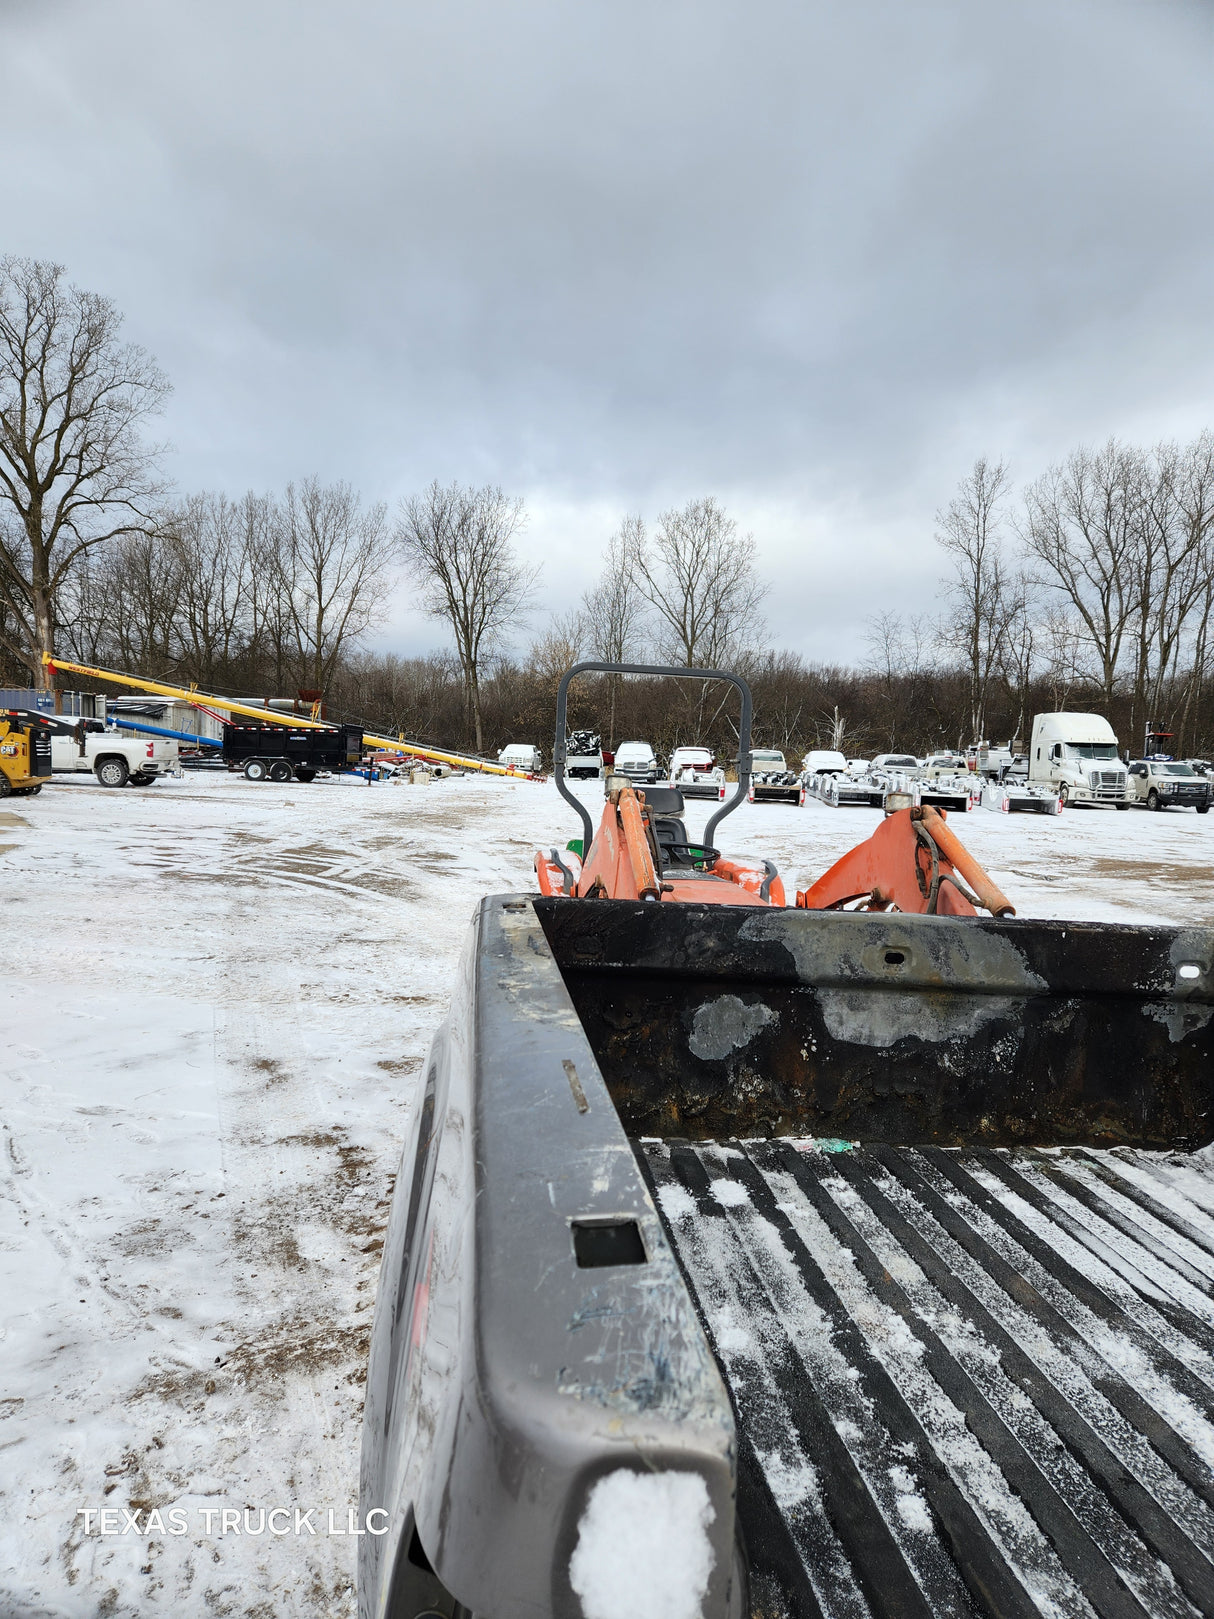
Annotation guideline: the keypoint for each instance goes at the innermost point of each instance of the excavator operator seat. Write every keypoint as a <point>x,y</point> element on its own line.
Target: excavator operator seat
<point>665,806</point>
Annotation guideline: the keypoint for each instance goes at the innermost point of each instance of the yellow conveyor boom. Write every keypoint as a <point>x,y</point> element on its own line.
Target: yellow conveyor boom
<point>191,694</point>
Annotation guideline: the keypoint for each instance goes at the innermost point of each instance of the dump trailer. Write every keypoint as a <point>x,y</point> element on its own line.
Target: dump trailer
<point>25,752</point>
<point>755,1262</point>
<point>285,752</point>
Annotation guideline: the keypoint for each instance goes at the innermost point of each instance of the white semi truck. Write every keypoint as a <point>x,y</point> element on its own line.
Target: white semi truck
<point>1076,754</point>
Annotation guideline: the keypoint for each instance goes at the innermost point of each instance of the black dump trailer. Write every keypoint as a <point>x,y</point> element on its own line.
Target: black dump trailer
<point>751,1264</point>
<point>285,752</point>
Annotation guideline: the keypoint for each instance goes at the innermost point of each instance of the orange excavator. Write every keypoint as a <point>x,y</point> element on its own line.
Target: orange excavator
<point>641,851</point>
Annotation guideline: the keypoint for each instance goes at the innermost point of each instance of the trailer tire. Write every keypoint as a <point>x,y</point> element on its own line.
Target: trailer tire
<point>138,779</point>
<point>1203,809</point>
<point>256,770</point>
<point>112,771</point>
<point>1153,800</point>
<point>280,770</point>
<point>304,773</point>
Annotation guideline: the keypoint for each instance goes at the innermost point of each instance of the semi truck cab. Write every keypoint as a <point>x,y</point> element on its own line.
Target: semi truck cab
<point>1076,754</point>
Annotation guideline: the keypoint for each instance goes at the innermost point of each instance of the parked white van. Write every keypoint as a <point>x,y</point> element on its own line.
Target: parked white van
<point>1077,755</point>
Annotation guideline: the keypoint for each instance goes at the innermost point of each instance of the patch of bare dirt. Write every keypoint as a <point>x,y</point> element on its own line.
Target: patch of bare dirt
<point>1175,873</point>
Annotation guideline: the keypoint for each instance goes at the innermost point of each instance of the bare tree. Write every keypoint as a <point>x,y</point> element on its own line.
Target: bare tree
<point>898,660</point>
<point>333,560</point>
<point>697,575</point>
<point>218,567</point>
<point>968,531</point>
<point>1084,521</point>
<point>74,471</point>
<point>458,544</point>
<point>612,611</point>
<point>1019,648</point>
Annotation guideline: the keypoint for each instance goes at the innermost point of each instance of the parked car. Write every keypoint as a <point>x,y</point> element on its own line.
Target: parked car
<point>637,761</point>
<point>822,762</point>
<point>522,756</point>
<point>1169,784</point>
<point>696,773</point>
<point>895,761</point>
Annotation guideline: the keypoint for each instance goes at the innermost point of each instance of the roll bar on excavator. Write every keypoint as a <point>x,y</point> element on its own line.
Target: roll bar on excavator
<point>661,671</point>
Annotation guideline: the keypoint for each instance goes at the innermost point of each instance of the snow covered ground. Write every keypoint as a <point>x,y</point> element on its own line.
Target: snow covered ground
<point>218,995</point>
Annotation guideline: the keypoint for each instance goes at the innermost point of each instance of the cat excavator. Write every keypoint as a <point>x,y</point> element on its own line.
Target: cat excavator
<point>25,752</point>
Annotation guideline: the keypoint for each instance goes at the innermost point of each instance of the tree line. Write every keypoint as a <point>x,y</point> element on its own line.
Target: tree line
<point>1090,588</point>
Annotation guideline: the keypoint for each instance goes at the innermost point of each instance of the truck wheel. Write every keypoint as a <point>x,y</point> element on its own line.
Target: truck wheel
<point>302,773</point>
<point>1203,809</point>
<point>1153,800</point>
<point>256,770</point>
<point>1064,795</point>
<point>113,771</point>
<point>280,770</point>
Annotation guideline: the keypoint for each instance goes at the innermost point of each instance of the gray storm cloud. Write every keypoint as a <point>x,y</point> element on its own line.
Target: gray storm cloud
<point>812,258</point>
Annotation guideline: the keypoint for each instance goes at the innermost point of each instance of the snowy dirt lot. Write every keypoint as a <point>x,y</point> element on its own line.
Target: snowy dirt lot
<point>218,996</point>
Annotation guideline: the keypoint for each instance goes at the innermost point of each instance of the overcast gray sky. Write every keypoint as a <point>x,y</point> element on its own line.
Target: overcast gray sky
<point>811,258</point>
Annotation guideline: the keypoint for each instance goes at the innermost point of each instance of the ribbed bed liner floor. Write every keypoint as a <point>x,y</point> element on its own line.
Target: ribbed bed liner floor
<point>965,1382</point>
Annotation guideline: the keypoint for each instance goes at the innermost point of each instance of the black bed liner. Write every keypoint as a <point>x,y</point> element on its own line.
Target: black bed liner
<point>965,1381</point>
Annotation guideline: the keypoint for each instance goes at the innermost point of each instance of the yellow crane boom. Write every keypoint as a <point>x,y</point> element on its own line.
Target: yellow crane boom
<point>191,694</point>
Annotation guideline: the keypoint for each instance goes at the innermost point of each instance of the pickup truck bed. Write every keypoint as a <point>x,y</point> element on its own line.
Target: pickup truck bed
<point>896,1232</point>
<point>964,1382</point>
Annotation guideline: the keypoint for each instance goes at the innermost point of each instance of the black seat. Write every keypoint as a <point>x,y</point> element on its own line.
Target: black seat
<point>664,801</point>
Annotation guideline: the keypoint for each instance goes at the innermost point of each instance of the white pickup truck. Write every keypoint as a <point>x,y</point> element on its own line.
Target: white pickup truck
<point>114,757</point>
<point>1169,784</point>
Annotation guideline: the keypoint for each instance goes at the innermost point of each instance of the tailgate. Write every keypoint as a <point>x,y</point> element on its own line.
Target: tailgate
<point>964,1381</point>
